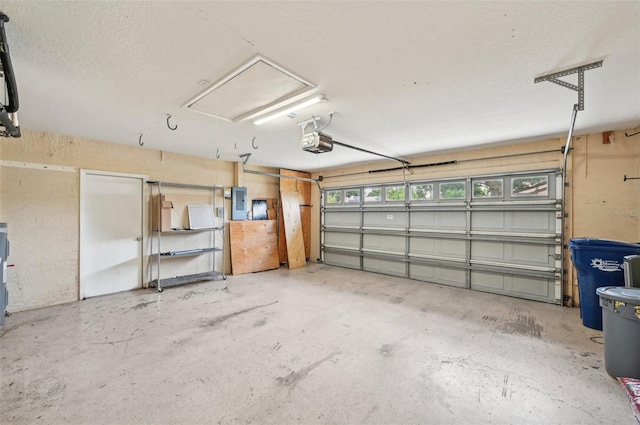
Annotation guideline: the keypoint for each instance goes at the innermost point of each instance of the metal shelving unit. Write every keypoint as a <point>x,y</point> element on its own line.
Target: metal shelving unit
<point>216,242</point>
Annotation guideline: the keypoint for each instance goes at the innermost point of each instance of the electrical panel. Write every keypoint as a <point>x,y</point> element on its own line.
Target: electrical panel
<point>238,203</point>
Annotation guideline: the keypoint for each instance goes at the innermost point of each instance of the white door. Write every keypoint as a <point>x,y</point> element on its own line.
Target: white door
<point>110,232</point>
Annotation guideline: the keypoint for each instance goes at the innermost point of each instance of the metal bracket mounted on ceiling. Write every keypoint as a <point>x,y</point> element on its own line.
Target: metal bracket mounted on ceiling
<point>579,88</point>
<point>303,124</point>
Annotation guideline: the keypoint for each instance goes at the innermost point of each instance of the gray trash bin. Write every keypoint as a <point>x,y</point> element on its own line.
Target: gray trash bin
<point>621,328</point>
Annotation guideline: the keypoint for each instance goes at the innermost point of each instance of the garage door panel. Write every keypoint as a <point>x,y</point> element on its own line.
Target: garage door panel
<point>441,275</point>
<point>513,253</point>
<point>384,266</point>
<point>514,221</point>
<point>438,247</point>
<point>342,218</point>
<point>487,250</point>
<point>383,219</point>
<point>423,219</point>
<point>539,289</point>
<point>347,240</point>
<point>488,220</point>
<point>342,259</point>
<point>531,286</point>
<point>384,243</point>
<point>533,221</point>
<point>452,220</point>
<point>439,220</point>
<point>542,255</point>
<point>488,281</point>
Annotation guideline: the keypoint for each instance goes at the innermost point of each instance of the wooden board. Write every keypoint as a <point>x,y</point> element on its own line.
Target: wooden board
<point>304,197</point>
<point>305,217</point>
<point>282,239</point>
<point>272,208</point>
<point>302,189</point>
<point>288,185</point>
<point>293,230</point>
<point>253,246</point>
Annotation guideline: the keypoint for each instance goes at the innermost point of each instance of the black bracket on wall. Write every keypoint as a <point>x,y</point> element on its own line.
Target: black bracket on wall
<point>632,134</point>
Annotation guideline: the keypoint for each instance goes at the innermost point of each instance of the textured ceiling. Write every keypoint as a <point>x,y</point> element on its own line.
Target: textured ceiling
<point>404,78</point>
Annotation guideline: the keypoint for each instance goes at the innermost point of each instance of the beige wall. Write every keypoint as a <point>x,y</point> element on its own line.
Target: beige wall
<point>41,204</point>
<point>39,198</point>
<point>599,203</point>
<point>605,206</point>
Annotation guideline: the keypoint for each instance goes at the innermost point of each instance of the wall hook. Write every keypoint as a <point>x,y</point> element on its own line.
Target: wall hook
<point>217,153</point>
<point>175,127</point>
<point>630,178</point>
<point>253,144</point>
<point>140,142</point>
<point>632,134</point>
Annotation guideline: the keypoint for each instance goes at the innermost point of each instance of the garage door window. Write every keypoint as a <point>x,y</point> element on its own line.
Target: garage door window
<point>530,186</point>
<point>454,190</point>
<point>334,197</point>
<point>395,194</point>
<point>372,194</point>
<point>421,192</point>
<point>487,188</point>
<point>352,195</point>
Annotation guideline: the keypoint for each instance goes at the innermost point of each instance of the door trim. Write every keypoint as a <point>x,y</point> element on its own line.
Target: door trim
<point>83,175</point>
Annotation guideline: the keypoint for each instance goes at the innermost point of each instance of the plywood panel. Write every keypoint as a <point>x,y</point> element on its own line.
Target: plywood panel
<point>253,246</point>
<point>282,238</point>
<point>304,197</point>
<point>293,230</point>
<point>302,189</point>
<point>272,208</point>
<point>288,185</point>
<point>305,216</point>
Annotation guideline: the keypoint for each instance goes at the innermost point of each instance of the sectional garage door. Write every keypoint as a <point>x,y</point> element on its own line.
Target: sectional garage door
<point>500,234</point>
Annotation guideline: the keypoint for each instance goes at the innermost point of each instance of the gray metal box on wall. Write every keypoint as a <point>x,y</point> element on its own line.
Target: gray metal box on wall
<point>4,253</point>
<point>239,203</point>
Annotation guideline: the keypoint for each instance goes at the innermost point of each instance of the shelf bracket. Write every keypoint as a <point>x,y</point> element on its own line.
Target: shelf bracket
<point>554,78</point>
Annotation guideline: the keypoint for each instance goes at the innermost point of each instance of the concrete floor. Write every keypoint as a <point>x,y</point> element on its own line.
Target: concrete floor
<point>314,345</point>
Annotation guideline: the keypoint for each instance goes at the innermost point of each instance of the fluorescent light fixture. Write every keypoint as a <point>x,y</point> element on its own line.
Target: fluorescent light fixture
<point>312,101</point>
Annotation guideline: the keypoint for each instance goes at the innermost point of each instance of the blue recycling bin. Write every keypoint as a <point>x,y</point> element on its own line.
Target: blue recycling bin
<point>598,263</point>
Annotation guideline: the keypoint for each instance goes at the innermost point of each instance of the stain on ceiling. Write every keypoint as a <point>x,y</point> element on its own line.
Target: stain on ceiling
<point>403,78</point>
